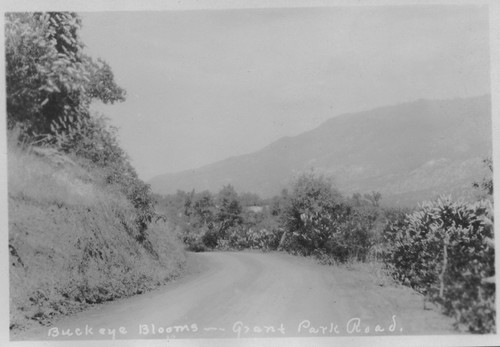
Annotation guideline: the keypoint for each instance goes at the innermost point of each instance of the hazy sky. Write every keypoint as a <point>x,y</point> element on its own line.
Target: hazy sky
<point>206,85</point>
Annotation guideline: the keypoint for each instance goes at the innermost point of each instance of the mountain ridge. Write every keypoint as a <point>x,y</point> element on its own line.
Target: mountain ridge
<point>377,149</point>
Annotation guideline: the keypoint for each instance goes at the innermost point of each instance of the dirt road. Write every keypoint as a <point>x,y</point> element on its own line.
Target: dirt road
<point>257,295</point>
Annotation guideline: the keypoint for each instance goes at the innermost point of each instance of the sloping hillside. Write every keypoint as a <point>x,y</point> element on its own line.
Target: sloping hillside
<point>408,152</point>
<point>82,225</point>
<point>73,241</point>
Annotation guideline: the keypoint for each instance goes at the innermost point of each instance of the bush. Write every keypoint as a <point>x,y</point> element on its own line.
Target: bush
<point>236,238</point>
<point>90,138</point>
<point>207,221</point>
<point>442,250</point>
<point>357,235</point>
<point>210,238</point>
<point>265,235</point>
<point>313,217</point>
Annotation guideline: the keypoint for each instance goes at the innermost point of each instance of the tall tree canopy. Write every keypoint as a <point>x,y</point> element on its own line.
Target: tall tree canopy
<point>47,73</point>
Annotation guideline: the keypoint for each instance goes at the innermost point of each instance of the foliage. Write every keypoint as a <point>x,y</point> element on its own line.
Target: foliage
<point>89,138</point>
<point>95,143</point>
<point>264,238</point>
<point>50,86</point>
<point>313,217</point>
<point>487,184</point>
<point>312,220</point>
<point>228,209</point>
<point>278,203</point>
<point>358,234</point>
<point>48,75</point>
<point>215,221</point>
<point>221,221</point>
<point>199,212</point>
<point>442,250</point>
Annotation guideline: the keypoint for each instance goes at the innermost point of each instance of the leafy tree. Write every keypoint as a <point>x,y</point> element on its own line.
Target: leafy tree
<point>228,209</point>
<point>312,215</point>
<point>48,75</point>
<point>194,215</point>
<point>199,209</point>
<point>204,208</point>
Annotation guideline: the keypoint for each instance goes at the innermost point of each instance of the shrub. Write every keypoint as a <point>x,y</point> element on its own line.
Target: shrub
<point>90,138</point>
<point>442,250</point>
<point>236,238</point>
<point>265,235</point>
<point>359,232</point>
<point>194,244</point>
<point>312,217</point>
<point>210,238</point>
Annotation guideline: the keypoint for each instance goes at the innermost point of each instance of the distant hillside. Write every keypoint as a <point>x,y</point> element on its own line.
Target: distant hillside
<point>408,152</point>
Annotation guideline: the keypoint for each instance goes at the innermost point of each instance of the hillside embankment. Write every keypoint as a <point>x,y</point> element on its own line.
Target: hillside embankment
<point>73,241</point>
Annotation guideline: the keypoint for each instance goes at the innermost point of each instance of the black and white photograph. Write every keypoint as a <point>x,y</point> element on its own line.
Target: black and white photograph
<point>184,173</point>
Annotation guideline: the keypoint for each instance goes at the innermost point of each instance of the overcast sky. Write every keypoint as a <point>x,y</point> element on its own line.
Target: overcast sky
<point>206,85</point>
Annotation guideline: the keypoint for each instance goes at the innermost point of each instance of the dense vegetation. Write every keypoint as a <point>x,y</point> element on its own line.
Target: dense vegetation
<point>82,225</point>
<point>51,83</point>
<point>443,249</point>
<point>313,218</point>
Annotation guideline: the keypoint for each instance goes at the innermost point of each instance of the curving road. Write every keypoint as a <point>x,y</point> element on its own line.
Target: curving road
<point>247,294</point>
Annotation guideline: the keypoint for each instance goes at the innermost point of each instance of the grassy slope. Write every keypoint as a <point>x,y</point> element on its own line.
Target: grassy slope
<point>72,242</point>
